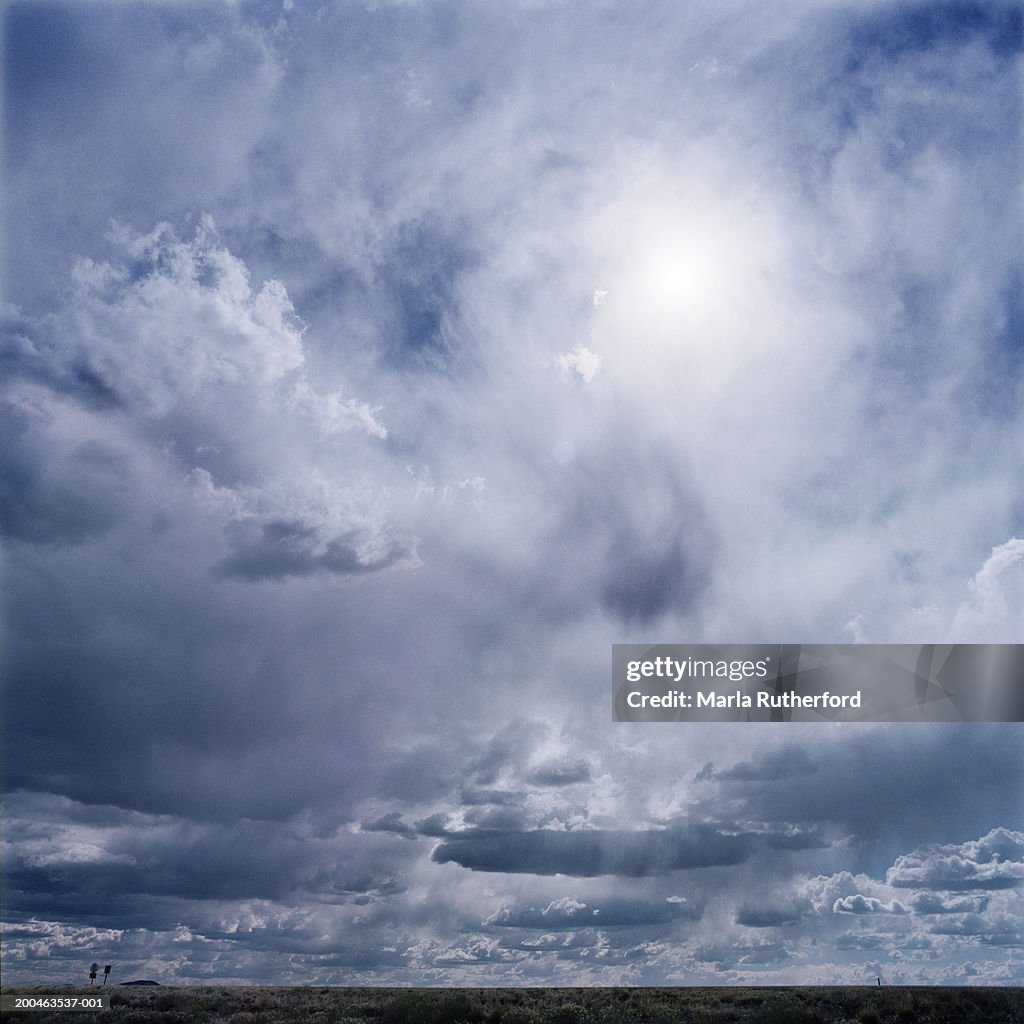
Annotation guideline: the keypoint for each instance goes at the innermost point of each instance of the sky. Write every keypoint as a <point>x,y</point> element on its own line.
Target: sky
<point>371,368</point>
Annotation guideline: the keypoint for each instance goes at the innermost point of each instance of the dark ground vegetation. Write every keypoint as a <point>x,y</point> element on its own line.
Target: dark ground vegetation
<point>251,1005</point>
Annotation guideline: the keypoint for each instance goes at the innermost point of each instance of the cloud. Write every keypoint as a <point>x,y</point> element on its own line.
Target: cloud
<point>995,861</point>
<point>333,414</point>
<point>648,535</point>
<point>992,929</point>
<point>579,363</point>
<point>744,954</point>
<point>301,526</point>
<point>506,750</point>
<point>790,785</point>
<point>147,335</point>
<point>559,773</point>
<point>147,862</point>
<point>281,548</point>
<point>859,904</point>
<point>586,853</point>
<point>694,326</point>
<point>787,763</point>
<point>391,822</point>
<point>56,490</point>
<point>935,903</point>
<point>179,317</point>
<point>922,26</point>
<point>995,609</point>
<point>824,891</point>
<point>570,913</point>
<point>797,839</point>
<point>769,916</point>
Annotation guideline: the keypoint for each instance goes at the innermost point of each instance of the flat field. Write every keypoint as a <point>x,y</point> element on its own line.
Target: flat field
<point>253,1005</point>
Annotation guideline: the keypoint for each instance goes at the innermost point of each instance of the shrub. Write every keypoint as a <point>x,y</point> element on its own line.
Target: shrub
<point>519,1015</point>
<point>787,1013</point>
<point>569,1013</point>
<point>430,1008</point>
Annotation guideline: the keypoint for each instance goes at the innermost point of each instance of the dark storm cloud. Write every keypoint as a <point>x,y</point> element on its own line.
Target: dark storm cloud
<point>586,853</point>
<point>774,766</point>
<point>498,818</point>
<point>435,826</point>
<point>283,548</point>
<point>648,533</point>
<point>391,822</point>
<point>559,773</point>
<point>770,916</point>
<point>28,351</point>
<point>156,857</point>
<point>188,743</point>
<point>509,748</point>
<point>885,783</point>
<point>422,774</point>
<point>69,494</point>
<point>890,32</point>
<point>472,796</point>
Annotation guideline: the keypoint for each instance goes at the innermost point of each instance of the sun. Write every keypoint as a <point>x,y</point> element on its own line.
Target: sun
<point>680,280</point>
<point>688,271</point>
